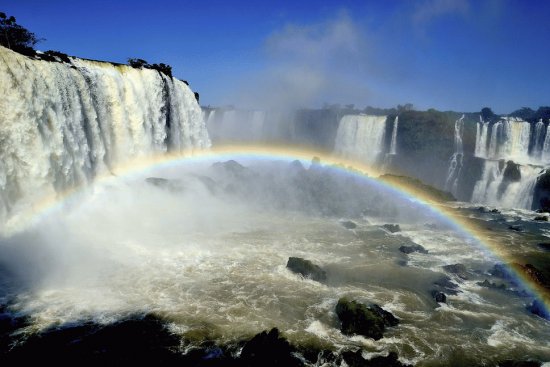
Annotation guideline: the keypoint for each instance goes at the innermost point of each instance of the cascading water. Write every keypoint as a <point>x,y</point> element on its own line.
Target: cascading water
<point>510,139</point>
<point>481,139</point>
<point>361,137</point>
<point>493,189</point>
<point>393,145</point>
<point>456,160</point>
<point>62,125</point>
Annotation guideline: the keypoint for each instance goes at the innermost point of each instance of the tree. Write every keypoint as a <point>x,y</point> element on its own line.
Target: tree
<point>16,37</point>
<point>487,114</point>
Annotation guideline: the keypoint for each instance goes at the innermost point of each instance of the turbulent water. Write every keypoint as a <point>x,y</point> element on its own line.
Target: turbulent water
<point>217,272</point>
<point>62,125</point>
<point>361,137</point>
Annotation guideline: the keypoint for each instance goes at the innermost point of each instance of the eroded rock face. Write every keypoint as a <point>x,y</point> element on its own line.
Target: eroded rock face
<point>357,318</point>
<point>306,268</point>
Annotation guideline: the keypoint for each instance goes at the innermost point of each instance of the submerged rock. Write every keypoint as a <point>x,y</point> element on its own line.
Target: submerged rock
<point>538,308</point>
<point>541,218</point>
<point>164,183</point>
<point>393,228</point>
<point>268,349</point>
<point>439,297</point>
<point>490,285</point>
<point>544,245</point>
<point>348,224</point>
<point>516,227</point>
<point>357,318</point>
<point>501,271</point>
<point>306,268</point>
<point>413,248</point>
<point>458,269</point>
<point>355,359</point>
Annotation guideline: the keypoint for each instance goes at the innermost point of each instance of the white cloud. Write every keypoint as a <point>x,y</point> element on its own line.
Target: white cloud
<point>309,64</point>
<point>429,10</point>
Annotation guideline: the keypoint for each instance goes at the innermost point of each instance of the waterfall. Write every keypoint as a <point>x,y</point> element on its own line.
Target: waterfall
<point>256,125</point>
<point>456,160</point>
<point>64,124</point>
<point>492,189</point>
<point>393,145</point>
<point>538,140</point>
<point>481,139</point>
<point>361,137</point>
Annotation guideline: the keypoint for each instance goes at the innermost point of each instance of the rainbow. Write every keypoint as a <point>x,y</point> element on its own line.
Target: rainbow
<point>463,225</point>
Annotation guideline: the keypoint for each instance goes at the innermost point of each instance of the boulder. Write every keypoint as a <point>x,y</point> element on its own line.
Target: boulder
<point>445,284</point>
<point>409,249</point>
<point>541,218</point>
<point>392,227</point>
<point>306,268</point>
<point>268,349</point>
<point>439,297</point>
<point>458,269</point>
<point>357,318</point>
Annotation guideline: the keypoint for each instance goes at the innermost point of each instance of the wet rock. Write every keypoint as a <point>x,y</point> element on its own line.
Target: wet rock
<point>393,228</point>
<point>348,224</point>
<point>164,183</point>
<point>389,319</point>
<point>439,297</point>
<point>541,218</point>
<point>306,268</point>
<point>458,269</point>
<point>447,285</point>
<point>490,285</point>
<point>357,318</point>
<point>538,308</point>
<point>409,249</point>
<point>501,271</point>
<point>355,359</point>
<point>512,172</point>
<point>268,349</point>
<point>516,227</point>
<point>544,245</point>
<point>512,363</point>
<point>495,211</point>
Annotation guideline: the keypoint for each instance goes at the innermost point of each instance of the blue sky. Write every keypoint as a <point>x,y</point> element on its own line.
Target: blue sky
<point>448,54</point>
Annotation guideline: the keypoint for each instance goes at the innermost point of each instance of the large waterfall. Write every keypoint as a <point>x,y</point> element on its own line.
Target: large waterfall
<point>63,124</point>
<point>514,139</point>
<point>361,137</point>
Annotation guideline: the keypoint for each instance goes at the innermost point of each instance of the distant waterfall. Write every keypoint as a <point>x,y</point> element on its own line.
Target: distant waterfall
<point>456,160</point>
<point>62,125</point>
<point>513,139</point>
<point>361,137</point>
